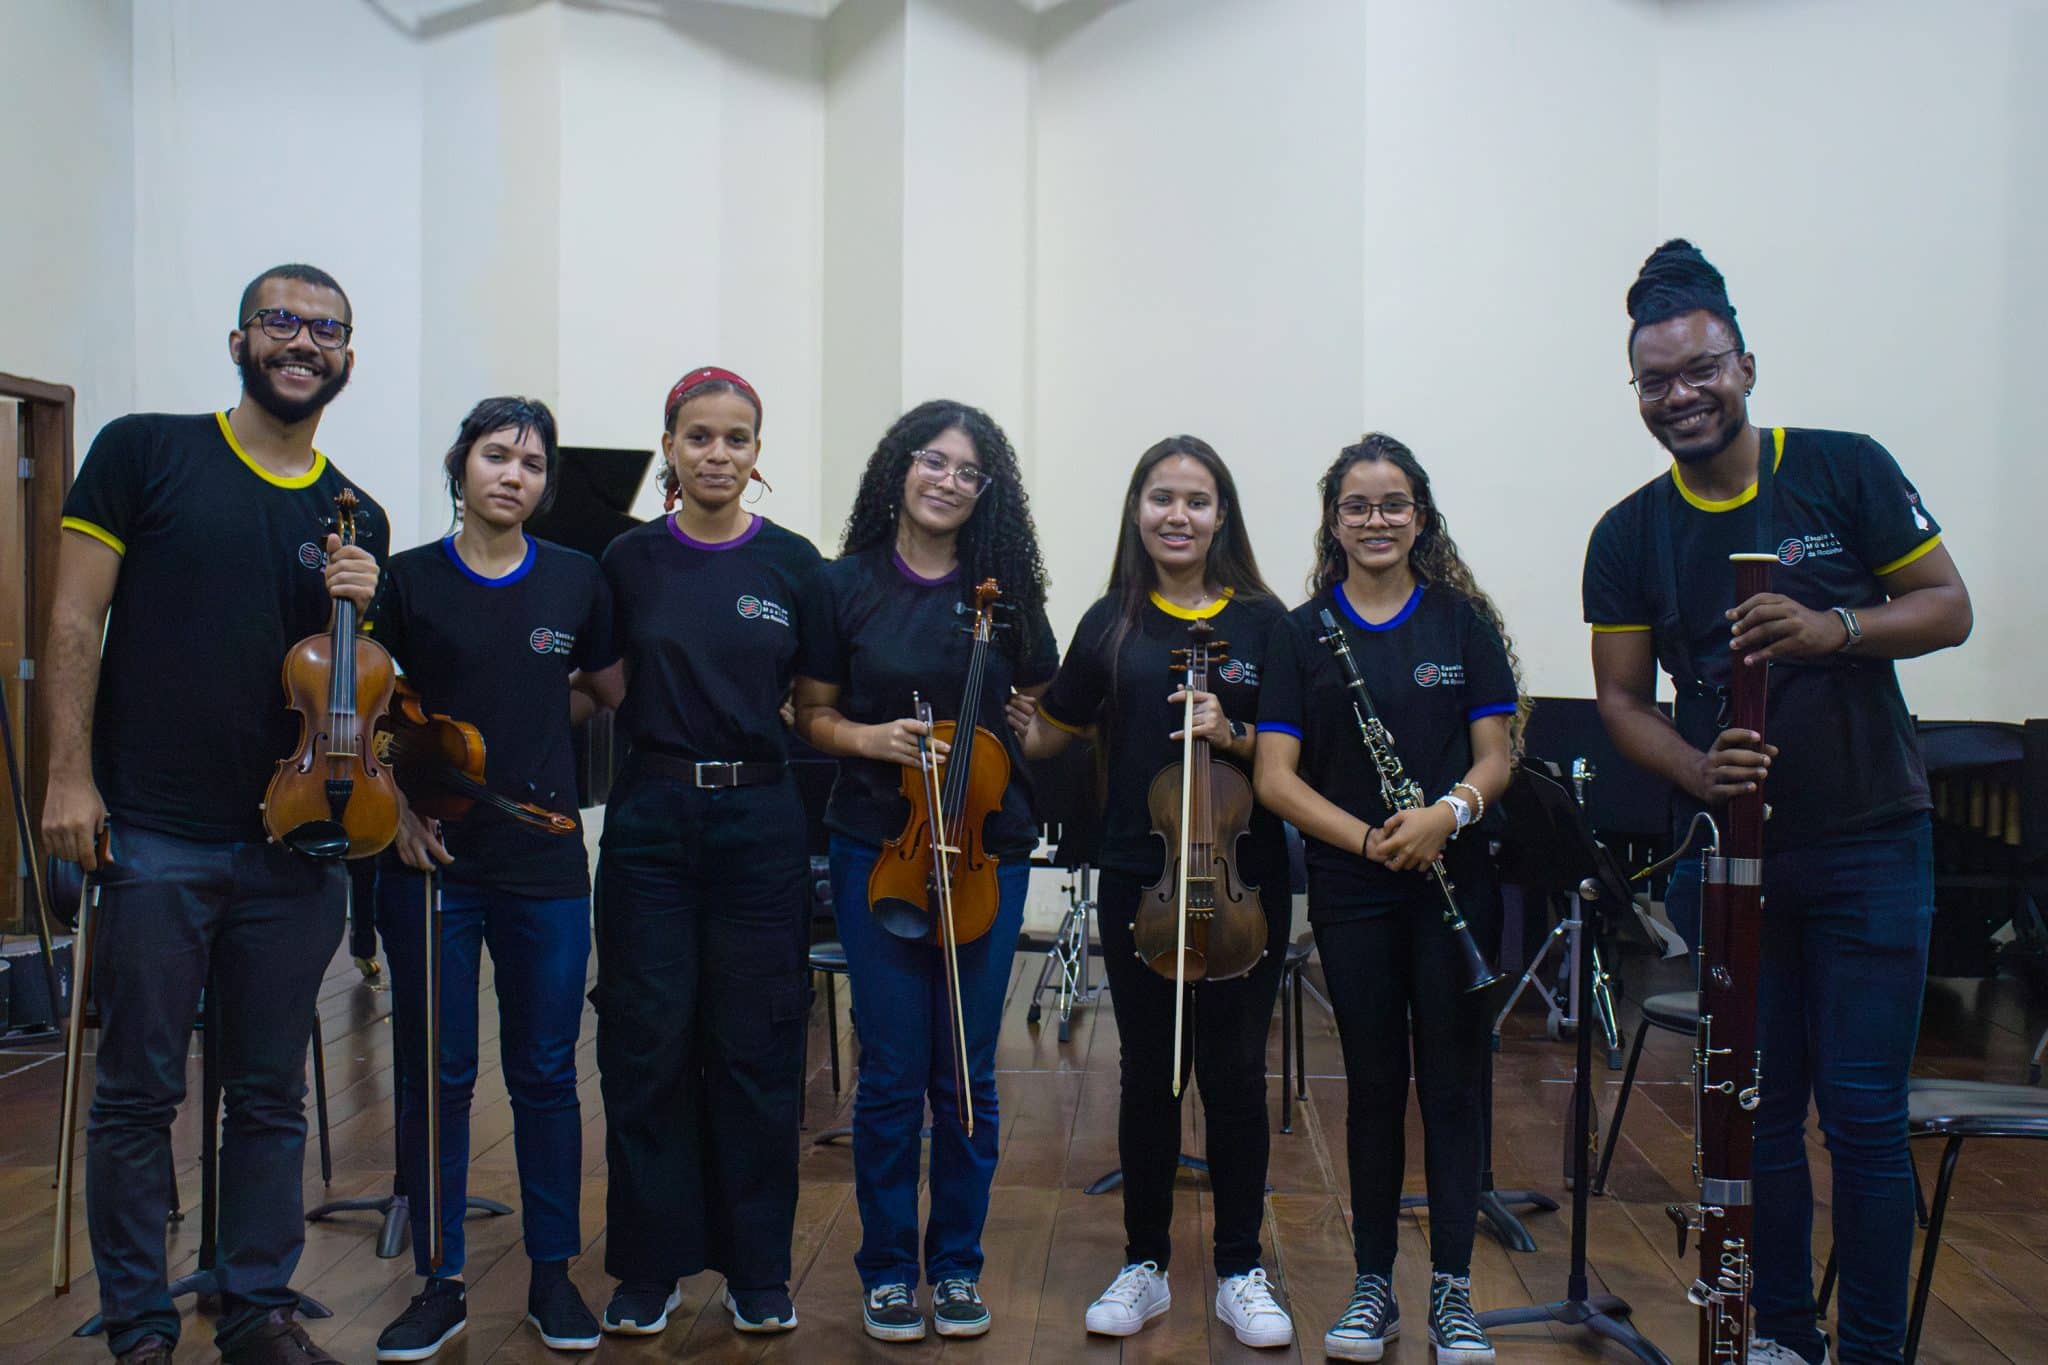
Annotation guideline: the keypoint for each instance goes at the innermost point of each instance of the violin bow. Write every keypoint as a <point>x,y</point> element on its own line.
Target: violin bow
<point>1187,790</point>
<point>432,963</point>
<point>74,1056</point>
<point>942,873</point>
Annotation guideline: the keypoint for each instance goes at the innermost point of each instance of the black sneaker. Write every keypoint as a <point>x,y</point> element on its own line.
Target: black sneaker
<point>1370,1321</point>
<point>151,1350</point>
<point>435,1315</point>
<point>641,1308</point>
<point>957,1309</point>
<point>557,1311</point>
<point>277,1340</point>
<point>890,1313</point>
<point>761,1310</point>
<point>1453,1327</point>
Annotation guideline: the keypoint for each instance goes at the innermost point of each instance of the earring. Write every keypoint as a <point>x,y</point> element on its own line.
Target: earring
<point>668,501</point>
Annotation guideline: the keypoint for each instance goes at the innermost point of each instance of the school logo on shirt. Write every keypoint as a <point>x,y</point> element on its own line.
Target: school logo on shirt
<point>1795,548</point>
<point>752,608</point>
<point>545,641</point>
<point>1238,671</point>
<point>312,556</point>
<point>1920,521</point>
<point>1439,675</point>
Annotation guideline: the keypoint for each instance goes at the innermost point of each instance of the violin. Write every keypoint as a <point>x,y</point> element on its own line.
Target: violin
<point>439,762</point>
<point>935,882</point>
<point>938,860</point>
<point>1200,921</point>
<point>333,797</point>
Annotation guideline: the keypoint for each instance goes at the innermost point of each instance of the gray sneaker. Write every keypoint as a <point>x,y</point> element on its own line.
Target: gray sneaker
<point>890,1313</point>
<point>957,1309</point>
<point>1369,1321</point>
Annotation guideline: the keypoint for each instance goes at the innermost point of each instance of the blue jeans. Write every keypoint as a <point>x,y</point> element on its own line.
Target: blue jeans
<point>1844,965</point>
<point>258,924</point>
<point>541,951</point>
<point>904,1023</point>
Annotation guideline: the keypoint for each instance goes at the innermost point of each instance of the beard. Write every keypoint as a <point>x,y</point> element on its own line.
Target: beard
<point>1707,445</point>
<point>256,382</point>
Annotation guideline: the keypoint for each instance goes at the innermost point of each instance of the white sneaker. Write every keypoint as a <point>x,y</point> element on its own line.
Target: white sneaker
<point>1137,1295</point>
<point>1246,1302</point>
<point>1767,1351</point>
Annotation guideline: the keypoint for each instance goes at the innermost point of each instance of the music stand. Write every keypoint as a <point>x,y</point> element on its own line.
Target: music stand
<point>1556,853</point>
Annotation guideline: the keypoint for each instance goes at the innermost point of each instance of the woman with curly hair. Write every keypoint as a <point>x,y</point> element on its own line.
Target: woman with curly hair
<point>940,509</point>
<point>1182,555</point>
<point>1435,658</point>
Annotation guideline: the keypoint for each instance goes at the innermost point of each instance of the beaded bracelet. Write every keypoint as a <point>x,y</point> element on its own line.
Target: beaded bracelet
<point>1478,799</point>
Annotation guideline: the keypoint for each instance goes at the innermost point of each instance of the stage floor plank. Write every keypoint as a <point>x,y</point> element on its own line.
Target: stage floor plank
<point>1051,1247</point>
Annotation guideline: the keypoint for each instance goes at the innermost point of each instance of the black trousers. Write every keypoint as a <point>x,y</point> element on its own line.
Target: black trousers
<point>1225,1047</point>
<point>1396,979</point>
<point>701,915</point>
<point>260,923</point>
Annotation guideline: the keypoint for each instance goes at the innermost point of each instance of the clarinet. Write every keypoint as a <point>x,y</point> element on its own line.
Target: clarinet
<point>1402,792</point>
<point>1727,1071</point>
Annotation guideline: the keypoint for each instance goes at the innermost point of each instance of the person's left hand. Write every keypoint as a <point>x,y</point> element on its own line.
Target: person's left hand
<point>1772,626</point>
<point>1412,839</point>
<point>1019,710</point>
<point>351,573</point>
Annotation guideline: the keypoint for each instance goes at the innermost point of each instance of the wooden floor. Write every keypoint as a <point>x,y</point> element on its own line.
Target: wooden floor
<point>1051,1247</point>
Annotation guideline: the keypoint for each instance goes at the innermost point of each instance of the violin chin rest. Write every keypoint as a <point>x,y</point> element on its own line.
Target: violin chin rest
<point>318,839</point>
<point>902,918</point>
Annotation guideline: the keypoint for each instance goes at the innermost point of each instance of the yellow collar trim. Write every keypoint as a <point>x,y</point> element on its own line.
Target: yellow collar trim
<point>1174,609</point>
<point>304,480</point>
<point>1745,497</point>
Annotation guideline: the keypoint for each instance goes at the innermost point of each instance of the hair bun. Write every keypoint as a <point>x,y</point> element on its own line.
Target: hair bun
<point>1678,279</point>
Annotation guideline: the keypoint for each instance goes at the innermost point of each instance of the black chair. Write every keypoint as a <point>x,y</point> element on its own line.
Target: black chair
<point>1674,1012</point>
<point>1956,1111</point>
<point>829,960</point>
<point>1293,1058</point>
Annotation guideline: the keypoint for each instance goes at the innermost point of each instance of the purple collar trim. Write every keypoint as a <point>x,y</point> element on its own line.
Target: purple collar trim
<point>914,576</point>
<point>753,529</point>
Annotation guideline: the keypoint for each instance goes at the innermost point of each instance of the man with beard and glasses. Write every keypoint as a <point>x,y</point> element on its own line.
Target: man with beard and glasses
<point>198,552</point>
<point>1862,579</point>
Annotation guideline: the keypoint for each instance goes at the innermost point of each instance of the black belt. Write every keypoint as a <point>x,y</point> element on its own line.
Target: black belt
<point>702,774</point>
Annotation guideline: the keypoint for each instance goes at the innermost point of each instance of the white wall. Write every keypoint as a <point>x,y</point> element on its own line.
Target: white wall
<point>1272,224</point>
<point>67,230</point>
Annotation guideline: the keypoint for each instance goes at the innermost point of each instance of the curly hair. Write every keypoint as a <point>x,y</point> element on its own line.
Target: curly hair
<point>1231,563</point>
<point>998,539</point>
<point>1434,557</point>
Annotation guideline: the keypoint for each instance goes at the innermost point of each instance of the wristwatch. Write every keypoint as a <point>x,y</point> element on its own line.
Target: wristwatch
<point>1237,730</point>
<point>1849,624</point>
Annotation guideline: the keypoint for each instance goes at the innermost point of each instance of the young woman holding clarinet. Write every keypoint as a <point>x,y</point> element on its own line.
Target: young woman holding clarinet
<point>1183,560</point>
<point>1398,900</point>
<point>936,606</point>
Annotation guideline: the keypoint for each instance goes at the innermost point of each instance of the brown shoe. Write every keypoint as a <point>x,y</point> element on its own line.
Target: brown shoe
<point>151,1350</point>
<point>279,1340</point>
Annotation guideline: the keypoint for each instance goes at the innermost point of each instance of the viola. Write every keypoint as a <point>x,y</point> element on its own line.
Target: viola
<point>333,797</point>
<point>1200,921</point>
<point>439,763</point>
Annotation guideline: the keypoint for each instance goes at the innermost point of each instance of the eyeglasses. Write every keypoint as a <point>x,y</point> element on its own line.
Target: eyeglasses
<point>1355,512</point>
<point>329,334</point>
<point>1654,388</point>
<point>933,464</point>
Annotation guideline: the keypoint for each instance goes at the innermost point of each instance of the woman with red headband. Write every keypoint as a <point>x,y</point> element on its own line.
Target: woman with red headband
<point>702,902</point>
<point>941,509</point>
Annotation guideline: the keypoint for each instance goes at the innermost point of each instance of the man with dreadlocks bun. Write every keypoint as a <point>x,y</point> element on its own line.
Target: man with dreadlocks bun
<point>1434,655</point>
<point>1862,579</point>
<point>1183,554</point>
<point>940,509</point>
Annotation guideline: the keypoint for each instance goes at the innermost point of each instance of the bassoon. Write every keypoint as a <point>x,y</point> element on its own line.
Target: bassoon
<point>1727,1071</point>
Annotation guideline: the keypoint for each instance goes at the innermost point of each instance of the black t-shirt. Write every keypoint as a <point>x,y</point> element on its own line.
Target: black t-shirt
<point>711,635</point>
<point>497,653</point>
<point>1433,669</point>
<point>1125,697</point>
<point>1842,515</point>
<point>221,574</point>
<point>880,633</point>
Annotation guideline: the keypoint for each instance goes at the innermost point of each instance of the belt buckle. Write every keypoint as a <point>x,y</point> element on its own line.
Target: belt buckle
<point>714,775</point>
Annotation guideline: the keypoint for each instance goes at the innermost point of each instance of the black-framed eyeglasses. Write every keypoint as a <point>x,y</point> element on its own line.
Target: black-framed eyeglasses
<point>933,464</point>
<point>1654,387</point>
<point>1356,512</point>
<point>279,324</point>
